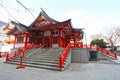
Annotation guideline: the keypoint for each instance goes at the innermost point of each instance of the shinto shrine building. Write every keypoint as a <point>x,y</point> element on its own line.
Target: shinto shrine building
<point>44,31</point>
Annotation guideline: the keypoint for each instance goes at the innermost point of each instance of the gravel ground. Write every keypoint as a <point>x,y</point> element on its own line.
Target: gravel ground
<point>94,70</point>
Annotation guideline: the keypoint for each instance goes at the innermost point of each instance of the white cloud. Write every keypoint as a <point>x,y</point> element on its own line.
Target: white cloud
<point>81,20</point>
<point>91,23</point>
<point>74,14</point>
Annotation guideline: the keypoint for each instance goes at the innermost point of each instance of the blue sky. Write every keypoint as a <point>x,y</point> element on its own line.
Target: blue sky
<point>93,15</point>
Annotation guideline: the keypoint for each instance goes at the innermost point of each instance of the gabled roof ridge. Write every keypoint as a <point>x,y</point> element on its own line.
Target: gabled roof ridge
<point>42,12</point>
<point>45,15</point>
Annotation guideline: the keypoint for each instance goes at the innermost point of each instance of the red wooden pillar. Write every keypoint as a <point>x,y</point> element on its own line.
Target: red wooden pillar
<point>26,39</point>
<point>14,41</point>
<point>50,38</point>
<point>115,55</point>
<point>0,54</point>
<point>21,59</point>
<point>59,38</point>
<point>42,37</point>
<point>7,57</point>
<point>74,42</point>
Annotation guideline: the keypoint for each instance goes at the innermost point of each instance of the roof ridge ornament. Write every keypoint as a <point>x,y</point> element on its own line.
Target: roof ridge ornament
<point>42,10</point>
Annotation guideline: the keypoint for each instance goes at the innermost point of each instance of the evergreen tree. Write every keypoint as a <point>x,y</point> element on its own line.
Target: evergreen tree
<point>99,42</point>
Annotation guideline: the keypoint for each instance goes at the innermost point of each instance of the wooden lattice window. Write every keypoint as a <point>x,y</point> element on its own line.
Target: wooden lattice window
<point>32,40</point>
<point>20,39</point>
<point>39,40</point>
<point>55,40</point>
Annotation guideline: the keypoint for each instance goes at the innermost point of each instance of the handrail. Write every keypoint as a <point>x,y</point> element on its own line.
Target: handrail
<point>64,55</point>
<point>103,51</point>
<point>3,54</point>
<point>35,51</point>
<point>10,56</point>
<point>77,45</point>
<point>19,51</point>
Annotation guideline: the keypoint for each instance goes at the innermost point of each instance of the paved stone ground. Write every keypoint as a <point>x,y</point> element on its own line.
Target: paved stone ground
<point>100,70</point>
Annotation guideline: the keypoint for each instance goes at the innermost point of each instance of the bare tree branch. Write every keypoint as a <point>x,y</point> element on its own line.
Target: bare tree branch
<point>24,7</point>
<point>7,11</point>
<point>112,35</point>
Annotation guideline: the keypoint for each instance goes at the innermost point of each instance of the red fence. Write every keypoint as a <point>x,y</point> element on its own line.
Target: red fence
<point>64,55</point>
<point>103,51</point>
<point>96,48</point>
<point>77,45</point>
<point>19,51</point>
<point>3,54</point>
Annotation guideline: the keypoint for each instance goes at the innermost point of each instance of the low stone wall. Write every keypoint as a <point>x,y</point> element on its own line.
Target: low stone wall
<point>79,55</point>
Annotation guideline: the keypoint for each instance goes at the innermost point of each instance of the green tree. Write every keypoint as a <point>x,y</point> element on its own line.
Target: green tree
<point>99,42</point>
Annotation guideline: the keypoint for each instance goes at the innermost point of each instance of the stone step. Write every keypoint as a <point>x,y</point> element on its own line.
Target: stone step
<point>45,53</point>
<point>44,58</point>
<point>38,60</point>
<point>52,53</point>
<point>41,58</point>
<point>13,62</point>
<point>35,58</point>
<point>29,52</point>
<point>36,63</point>
<point>37,66</point>
<point>41,63</point>
<point>43,66</point>
<point>49,58</point>
<point>46,61</point>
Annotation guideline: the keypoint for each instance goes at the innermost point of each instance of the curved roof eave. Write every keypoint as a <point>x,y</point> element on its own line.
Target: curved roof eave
<point>52,25</point>
<point>20,26</point>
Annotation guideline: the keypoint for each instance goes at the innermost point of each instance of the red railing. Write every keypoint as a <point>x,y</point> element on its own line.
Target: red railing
<point>19,51</point>
<point>77,45</point>
<point>103,51</point>
<point>41,46</point>
<point>10,56</point>
<point>64,55</point>
<point>96,48</point>
<point>3,54</point>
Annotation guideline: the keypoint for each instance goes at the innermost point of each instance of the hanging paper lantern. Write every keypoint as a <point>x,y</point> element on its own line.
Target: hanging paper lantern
<point>10,39</point>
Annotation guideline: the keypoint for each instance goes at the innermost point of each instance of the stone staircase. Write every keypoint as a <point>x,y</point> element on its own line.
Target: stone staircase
<point>42,58</point>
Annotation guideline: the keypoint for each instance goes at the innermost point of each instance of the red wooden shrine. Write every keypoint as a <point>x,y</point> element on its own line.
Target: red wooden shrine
<point>44,31</point>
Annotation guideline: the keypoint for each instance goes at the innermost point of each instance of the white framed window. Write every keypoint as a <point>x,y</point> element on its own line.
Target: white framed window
<point>55,33</point>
